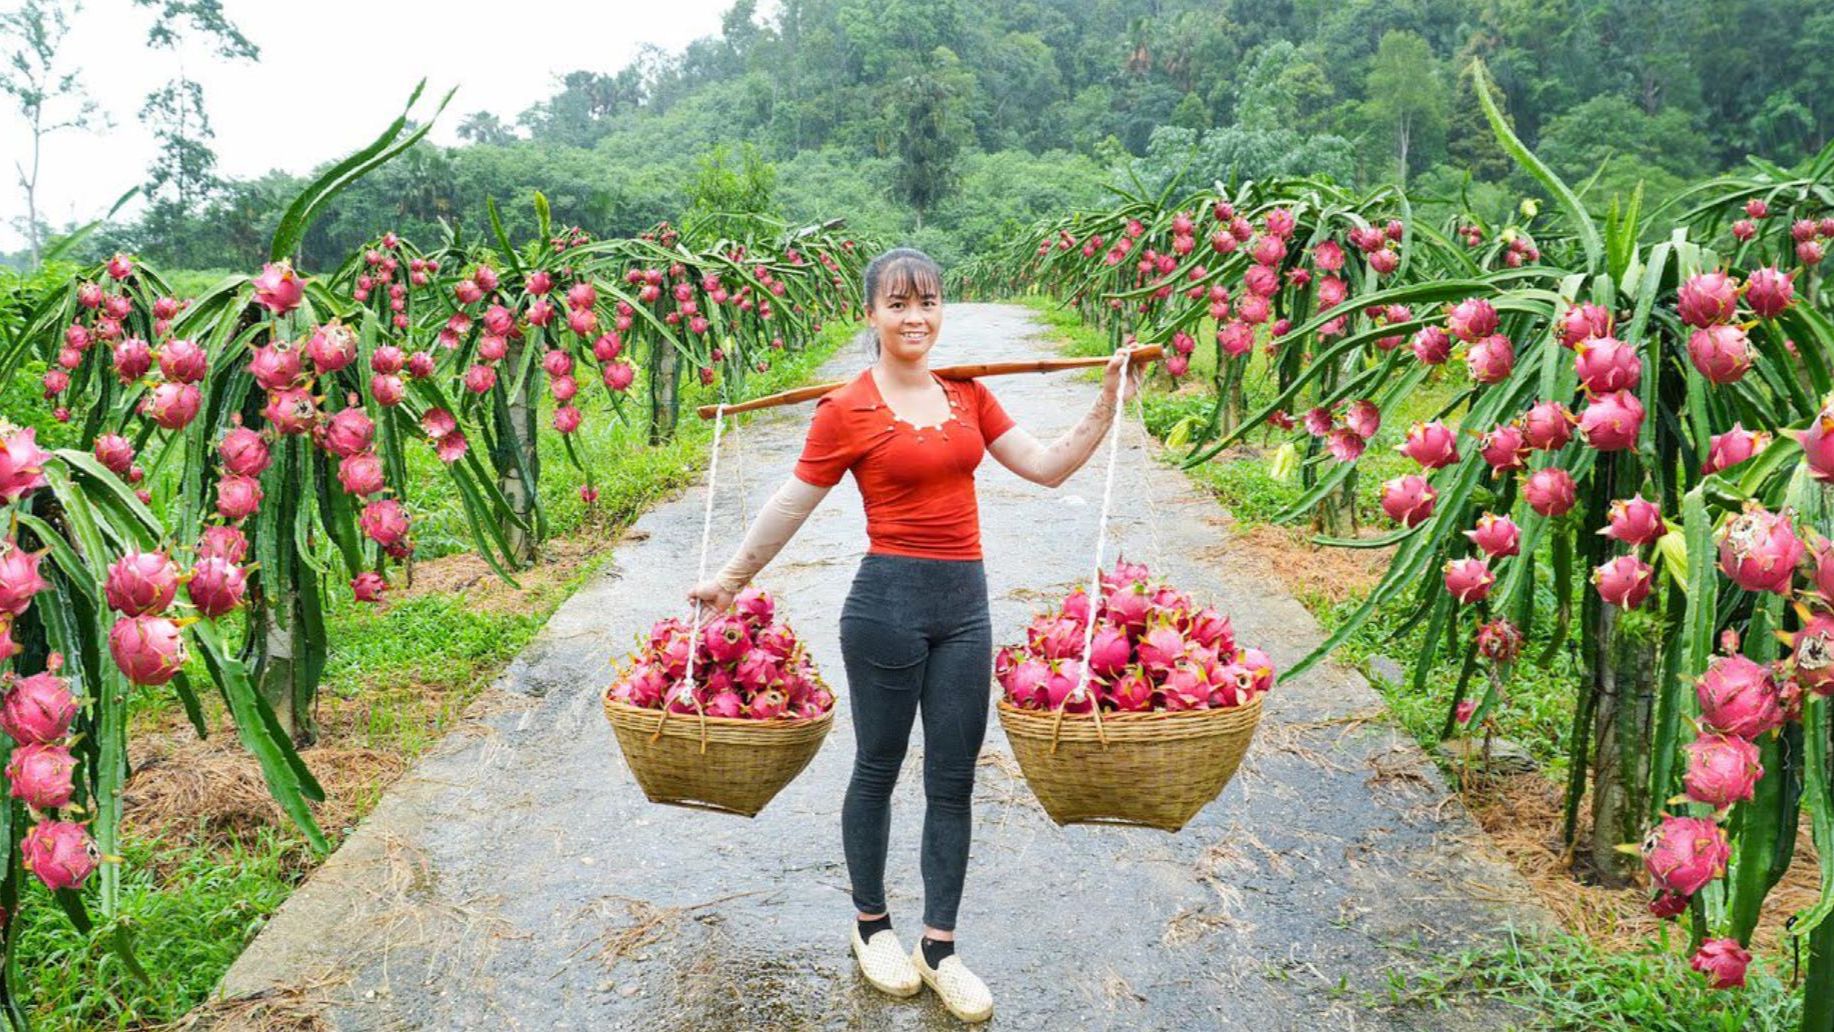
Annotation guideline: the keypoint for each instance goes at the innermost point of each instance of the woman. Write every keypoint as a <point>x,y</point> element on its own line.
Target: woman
<point>915,634</point>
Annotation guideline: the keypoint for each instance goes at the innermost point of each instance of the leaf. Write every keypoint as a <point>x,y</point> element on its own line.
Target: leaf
<point>1512,144</point>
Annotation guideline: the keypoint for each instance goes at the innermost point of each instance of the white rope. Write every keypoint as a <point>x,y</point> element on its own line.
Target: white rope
<point>685,690</point>
<point>1101,535</point>
<point>1146,483</point>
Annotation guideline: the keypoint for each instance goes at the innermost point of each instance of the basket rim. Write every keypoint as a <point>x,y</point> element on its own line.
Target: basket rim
<point>1129,717</point>
<point>625,709</point>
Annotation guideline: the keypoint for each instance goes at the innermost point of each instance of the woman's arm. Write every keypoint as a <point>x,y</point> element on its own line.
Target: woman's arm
<point>1052,464</point>
<point>773,527</point>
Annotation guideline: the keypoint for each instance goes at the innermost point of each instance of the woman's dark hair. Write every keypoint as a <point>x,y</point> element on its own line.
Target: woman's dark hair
<point>901,270</point>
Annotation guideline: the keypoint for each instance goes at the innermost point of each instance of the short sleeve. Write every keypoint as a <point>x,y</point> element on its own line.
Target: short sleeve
<point>828,450</point>
<point>993,419</point>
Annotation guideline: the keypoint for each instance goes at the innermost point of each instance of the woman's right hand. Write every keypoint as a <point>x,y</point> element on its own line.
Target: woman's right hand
<point>709,593</point>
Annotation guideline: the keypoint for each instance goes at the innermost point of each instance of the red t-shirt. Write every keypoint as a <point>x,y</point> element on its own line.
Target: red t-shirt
<point>918,484</point>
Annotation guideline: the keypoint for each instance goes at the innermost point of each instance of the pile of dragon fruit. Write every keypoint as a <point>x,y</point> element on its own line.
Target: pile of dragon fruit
<point>748,666</point>
<point>1153,649</point>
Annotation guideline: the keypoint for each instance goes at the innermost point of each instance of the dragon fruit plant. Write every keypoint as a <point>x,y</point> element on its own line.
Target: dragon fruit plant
<point>748,665</point>
<point>1152,649</point>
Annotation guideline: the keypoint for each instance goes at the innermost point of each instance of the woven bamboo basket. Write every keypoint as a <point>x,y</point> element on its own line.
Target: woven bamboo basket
<point>714,763</point>
<point>1155,770</point>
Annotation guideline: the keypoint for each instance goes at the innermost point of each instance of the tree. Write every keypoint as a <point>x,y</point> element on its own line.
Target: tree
<point>927,117</point>
<point>51,98</point>
<point>486,128</point>
<point>1191,113</point>
<point>1405,94</point>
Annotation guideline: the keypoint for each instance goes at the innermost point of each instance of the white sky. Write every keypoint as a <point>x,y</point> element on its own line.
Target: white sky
<point>332,75</point>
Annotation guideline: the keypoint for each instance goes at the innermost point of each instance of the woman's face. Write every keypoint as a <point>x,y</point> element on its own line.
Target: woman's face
<point>907,321</point>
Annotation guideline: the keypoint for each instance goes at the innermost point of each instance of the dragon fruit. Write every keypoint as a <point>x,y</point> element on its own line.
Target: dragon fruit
<point>1723,961</point>
<point>384,521</point>
<point>1812,651</point>
<point>1409,500</point>
<point>747,668</point>
<point>1504,448</point>
<point>183,361</point>
<point>1547,426</point>
<point>172,405</point>
<point>244,452</point>
<point>1469,580</point>
<point>1733,447</point>
<point>1431,345</point>
<point>132,359</point>
<point>1499,641</point>
<point>1472,320</point>
<point>223,542</point>
<point>216,586</point>
<point>1707,299</point>
<point>368,586</point>
<point>59,853</point>
<point>41,775</point>
<point>1584,322</point>
<point>141,582</point>
<point>115,452</point>
<point>1721,352</point>
<point>238,497</point>
<point>1432,445</point>
<point>1683,854</point>
<point>1550,491</point>
<point>276,367</point>
<point>278,288</point>
<point>1364,418</point>
<point>1769,291</point>
<point>1722,770</point>
<point>150,650</point>
<point>38,708</point>
<point>347,432</point>
<point>1634,521</point>
<point>1818,444</point>
<point>1738,697</point>
<point>1612,421</point>
<point>1759,550</point>
<point>331,348</point>
<point>291,411</point>
<point>1497,536</point>
<point>1623,581</point>
<point>1491,359</point>
<point>1606,364</point>
<point>19,577</point>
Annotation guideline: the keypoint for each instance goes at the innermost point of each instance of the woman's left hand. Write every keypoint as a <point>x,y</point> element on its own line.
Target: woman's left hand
<point>1117,368</point>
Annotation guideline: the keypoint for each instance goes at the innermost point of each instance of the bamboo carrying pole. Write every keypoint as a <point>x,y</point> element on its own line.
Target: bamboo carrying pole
<point>1146,353</point>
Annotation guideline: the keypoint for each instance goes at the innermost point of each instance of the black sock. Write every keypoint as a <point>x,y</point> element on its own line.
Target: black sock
<point>868,929</point>
<point>934,950</point>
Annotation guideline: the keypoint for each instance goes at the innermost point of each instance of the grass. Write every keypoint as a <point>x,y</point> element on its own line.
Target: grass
<point>397,678</point>
<point>1559,981</point>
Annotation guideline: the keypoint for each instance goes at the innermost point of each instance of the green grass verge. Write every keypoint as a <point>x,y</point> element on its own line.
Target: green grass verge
<point>194,901</point>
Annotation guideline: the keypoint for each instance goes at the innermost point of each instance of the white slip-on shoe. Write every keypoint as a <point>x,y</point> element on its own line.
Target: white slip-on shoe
<point>962,991</point>
<point>884,964</point>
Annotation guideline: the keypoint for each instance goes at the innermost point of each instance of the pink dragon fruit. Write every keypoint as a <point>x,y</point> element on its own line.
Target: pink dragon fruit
<point>216,586</point>
<point>1160,649</point>
<point>769,704</point>
<point>347,432</point>
<point>244,452</point>
<point>1491,359</point>
<point>1432,445</point>
<point>1346,445</point>
<point>172,405</point>
<point>1606,364</point>
<point>1812,651</point>
<point>1132,691</point>
<point>38,708</point>
<point>1212,630</point>
<point>1497,536</point>
<point>1722,770</point>
<point>1667,906</point>
<point>755,606</point>
<point>386,360</point>
<point>1548,426</point>
<point>368,586</point>
<point>1732,447</point>
<point>278,288</point>
<point>1707,299</point>
<point>1499,641</point>
<point>19,577</point>
<point>385,522</point>
<point>420,365</point>
<point>1504,448</point>
<point>1818,444</point>
<point>1683,854</point>
<point>1612,421</point>
<point>726,705</point>
<point>480,379</point>
<point>567,419</point>
<point>132,359</point>
<point>1550,491</point>
<point>150,650</point>
<point>59,853</point>
<point>292,411</point>
<point>1364,418</point>
<point>1721,352</point>
<point>1759,550</point>
<point>140,583</point>
<point>1472,319</point>
<point>1769,291</point>
<point>1623,581</point>
<point>182,361</point>
<point>115,452</point>
<point>276,367</point>
<point>1127,606</point>
<point>223,542</point>
<point>1738,697</point>
<point>1110,651</point>
<point>1409,500</point>
<point>41,775</point>
<point>726,638</point>
<point>1431,345</point>
<point>238,497</point>
<point>1634,521</point>
<point>331,348</point>
<point>1469,580</point>
<point>619,375</point>
<point>1583,322</point>
<point>1723,961</point>
<point>1026,686</point>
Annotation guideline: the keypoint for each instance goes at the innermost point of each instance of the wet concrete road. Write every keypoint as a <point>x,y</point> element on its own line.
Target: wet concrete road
<point>517,878</point>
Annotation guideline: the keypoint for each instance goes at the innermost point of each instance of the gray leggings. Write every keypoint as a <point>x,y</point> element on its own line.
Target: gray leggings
<point>915,634</point>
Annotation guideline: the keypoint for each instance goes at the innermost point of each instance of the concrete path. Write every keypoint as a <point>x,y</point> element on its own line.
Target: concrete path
<point>517,879</point>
